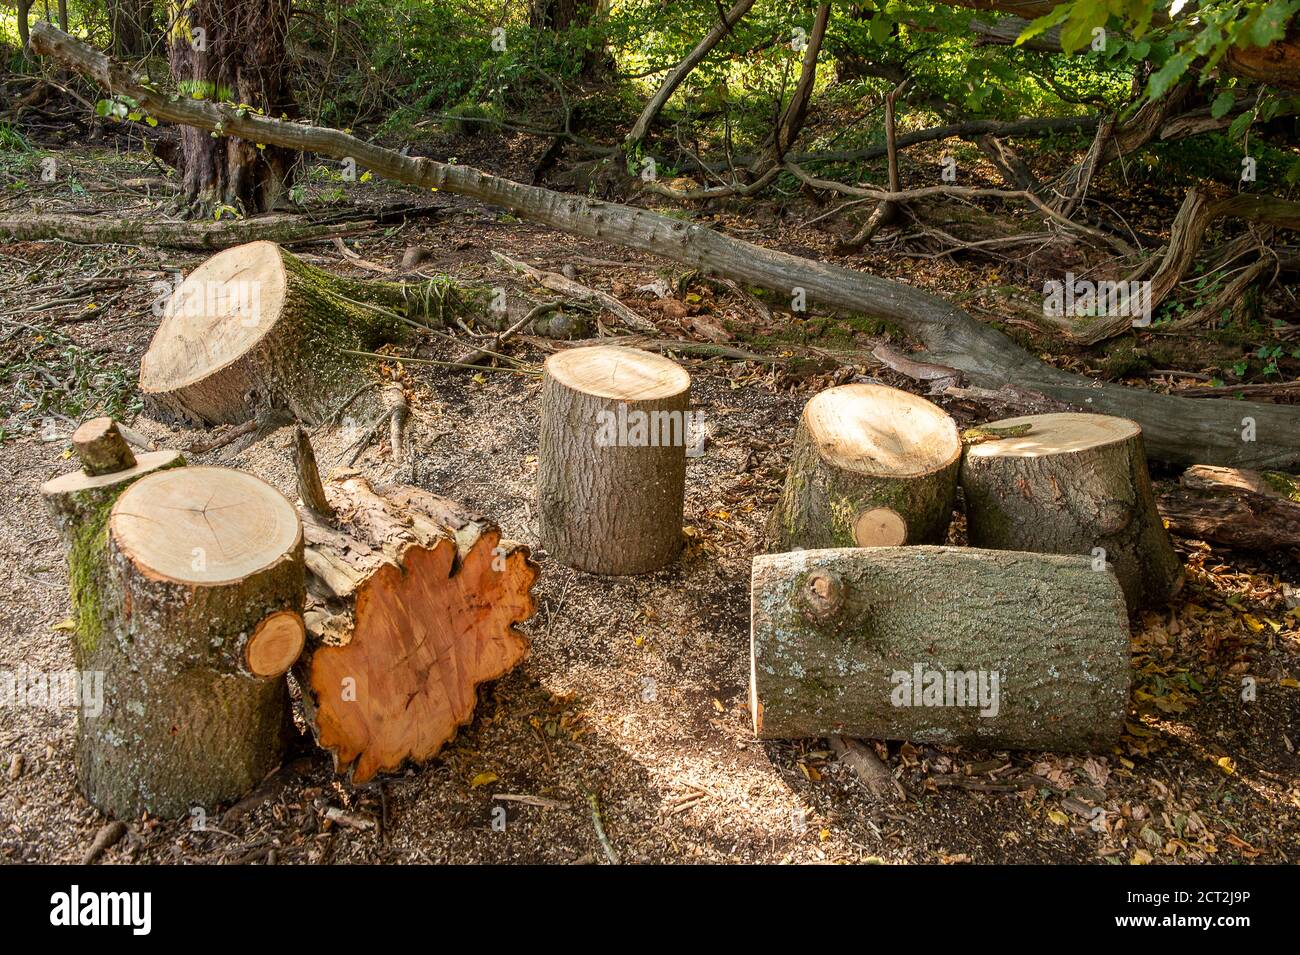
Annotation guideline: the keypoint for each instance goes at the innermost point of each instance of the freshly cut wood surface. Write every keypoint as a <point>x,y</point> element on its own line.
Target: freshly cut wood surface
<point>145,463</point>
<point>222,309</point>
<point>1060,433</point>
<point>609,371</point>
<point>413,602</point>
<point>276,644</point>
<point>204,525</point>
<point>872,466</point>
<point>877,430</point>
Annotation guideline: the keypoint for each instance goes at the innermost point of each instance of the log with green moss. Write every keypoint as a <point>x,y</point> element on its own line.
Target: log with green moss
<point>981,648</point>
<point>255,327</point>
<point>187,590</point>
<point>872,467</point>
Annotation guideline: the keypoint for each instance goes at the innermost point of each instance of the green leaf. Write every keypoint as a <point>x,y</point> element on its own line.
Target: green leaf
<point>1222,104</point>
<point>1044,23</point>
<point>102,107</point>
<point>1241,124</point>
<point>1168,74</point>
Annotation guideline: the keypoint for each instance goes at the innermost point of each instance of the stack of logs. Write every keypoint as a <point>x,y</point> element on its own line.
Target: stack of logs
<point>863,624</point>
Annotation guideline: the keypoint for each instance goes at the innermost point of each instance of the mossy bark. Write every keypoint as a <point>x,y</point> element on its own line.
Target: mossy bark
<point>821,505</point>
<point>832,631</point>
<point>302,363</point>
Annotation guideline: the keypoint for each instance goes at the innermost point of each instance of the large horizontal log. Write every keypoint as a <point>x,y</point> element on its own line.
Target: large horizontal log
<point>996,649</point>
<point>99,230</point>
<point>1177,432</point>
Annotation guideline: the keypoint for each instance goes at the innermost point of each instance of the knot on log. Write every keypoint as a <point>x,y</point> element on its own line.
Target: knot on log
<point>822,596</point>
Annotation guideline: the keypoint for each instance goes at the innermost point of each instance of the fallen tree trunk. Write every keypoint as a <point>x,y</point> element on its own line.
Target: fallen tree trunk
<point>255,327</point>
<point>1072,484</point>
<point>97,230</point>
<point>1250,510</point>
<point>187,590</point>
<point>871,467</point>
<point>412,603</point>
<point>1176,432</point>
<point>993,649</point>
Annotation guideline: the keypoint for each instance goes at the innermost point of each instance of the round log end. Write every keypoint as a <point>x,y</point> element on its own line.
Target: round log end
<point>622,374</point>
<point>1048,434</point>
<point>275,645</point>
<point>204,526</point>
<point>101,448</point>
<point>880,431</point>
<point>880,527</point>
<point>221,311</point>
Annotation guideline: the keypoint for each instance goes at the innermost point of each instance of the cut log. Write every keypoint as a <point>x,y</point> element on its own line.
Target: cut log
<point>1177,432</point>
<point>102,449</point>
<point>1250,510</point>
<point>412,603</point>
<point>1072,484</point>
<point>872,467</point>
<point>187,591</point>
<point>611,459</point>
<point>254,327</point>
<point>993,649</point>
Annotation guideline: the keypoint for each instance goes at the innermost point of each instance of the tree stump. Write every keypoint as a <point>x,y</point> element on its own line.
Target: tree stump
<point>992,649</point>
<point>1250,510</point>
<point>254,327</point>
<point>187,597</point>
<point>611,460</point>
<point>1072,484</point>
<point>872,466</point>
<point>412,603</point>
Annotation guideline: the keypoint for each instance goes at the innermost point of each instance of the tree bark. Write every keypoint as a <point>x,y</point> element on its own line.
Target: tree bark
<point>872,466</point>
<point>254,328</point>
<point>131,26</point>
<point>1072,484</point>
<point>1176,430</point>
<point>100,230</point>
<point>847,641</point>
<point>611,459</point>
<point>239,58</point>
<point>1250,510</point>
<point>413,602</point>
<point>187,592</point>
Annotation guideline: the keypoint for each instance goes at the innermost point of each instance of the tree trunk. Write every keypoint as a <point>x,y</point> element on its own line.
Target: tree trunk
<point>187,590</point>
<point>254,327</point>
<point>1250,510</point>
<point>879,643</point>
<point>412,603</point>
<point>210,235</point>
<point>796,111</point>
<point>871,467</point>
<point>611,459</point>
<point>1177,430</point>
<point>131,25</point>
<point>1072,484</point>
<point>239,57</point>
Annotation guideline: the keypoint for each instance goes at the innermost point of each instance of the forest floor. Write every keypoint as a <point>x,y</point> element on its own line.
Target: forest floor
<point>636,688</point>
